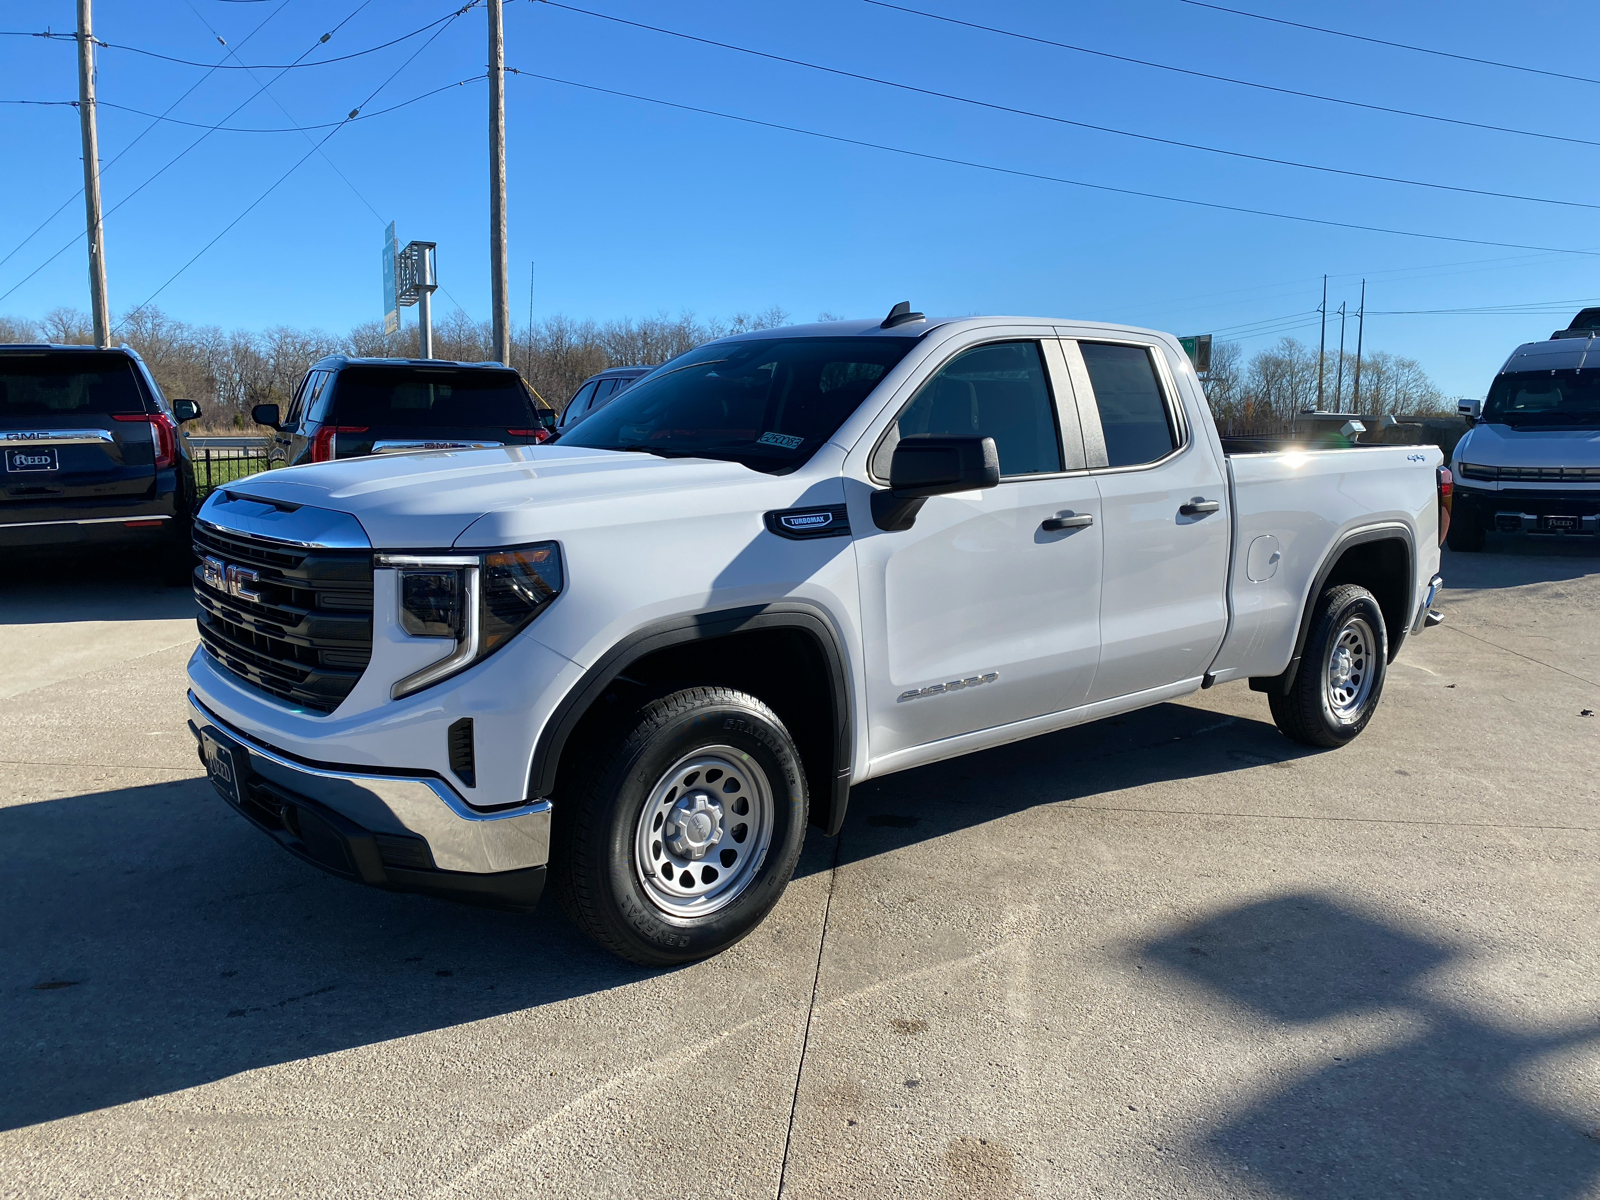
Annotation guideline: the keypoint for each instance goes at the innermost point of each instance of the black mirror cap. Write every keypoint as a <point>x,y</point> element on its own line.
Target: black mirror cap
<point>266,414</point>
<point>185,410</point>
<point>929,465</point>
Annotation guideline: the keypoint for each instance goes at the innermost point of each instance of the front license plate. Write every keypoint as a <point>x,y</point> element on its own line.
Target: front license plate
<point>32,458</point>
<point>1560,524</point>
<point>221,767</point>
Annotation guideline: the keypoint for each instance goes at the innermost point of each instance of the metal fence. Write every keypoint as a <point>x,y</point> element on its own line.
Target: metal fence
<point>217,465</point>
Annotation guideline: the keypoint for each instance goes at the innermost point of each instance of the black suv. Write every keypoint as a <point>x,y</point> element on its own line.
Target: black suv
<point>91,451</point>
<point>597,391</point>
<point>348,407</point>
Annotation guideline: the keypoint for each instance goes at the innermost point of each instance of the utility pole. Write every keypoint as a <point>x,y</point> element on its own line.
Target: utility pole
<point>528,361</point>
<point>91,178</point>
<point>1322,344</point>
<point>1361,327</point>
<point>1338,388</point>
<point>499,264</point>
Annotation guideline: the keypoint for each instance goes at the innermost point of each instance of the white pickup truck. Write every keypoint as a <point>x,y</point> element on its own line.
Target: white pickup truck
<point>645,656</point>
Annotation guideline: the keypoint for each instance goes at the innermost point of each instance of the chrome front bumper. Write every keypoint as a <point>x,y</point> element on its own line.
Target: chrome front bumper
<point>460,838</point>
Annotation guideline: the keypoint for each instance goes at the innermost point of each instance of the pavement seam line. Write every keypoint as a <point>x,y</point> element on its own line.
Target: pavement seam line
<point>1197,812</point>
<point>1525,657</point>
<point>13,762</point>
<point>811,1013</point>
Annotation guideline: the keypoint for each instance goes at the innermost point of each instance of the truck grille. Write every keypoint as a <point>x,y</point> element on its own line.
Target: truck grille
<point>1531,474</point>
<point>293,622</point>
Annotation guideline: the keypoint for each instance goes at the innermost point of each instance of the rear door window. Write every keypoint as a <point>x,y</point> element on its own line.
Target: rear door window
<point>575,406</point>
<point>34,388</point>
<point>1134,416</point>
<point>999,391</point>
<point>428,397</point>
<point>318,394</point>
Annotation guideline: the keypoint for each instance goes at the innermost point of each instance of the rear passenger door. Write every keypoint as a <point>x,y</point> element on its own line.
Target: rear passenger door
<point>979,593</point>
<point>1165,514</point>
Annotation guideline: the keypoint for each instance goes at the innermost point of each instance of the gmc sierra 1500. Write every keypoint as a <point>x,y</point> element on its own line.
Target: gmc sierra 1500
<point>644,656</point>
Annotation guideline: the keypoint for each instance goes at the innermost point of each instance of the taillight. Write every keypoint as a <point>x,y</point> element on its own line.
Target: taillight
<point>322,442</point>
<point>163,433</point>
<point>1447,487</point>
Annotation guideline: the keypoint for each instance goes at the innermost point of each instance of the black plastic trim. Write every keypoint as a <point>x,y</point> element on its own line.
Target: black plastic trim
<point>826,812</point>
<point>807,524</point>
<point>1280,684</point>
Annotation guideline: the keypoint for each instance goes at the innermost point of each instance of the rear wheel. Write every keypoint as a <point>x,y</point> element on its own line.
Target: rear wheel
<point>1341,674</point>
<point>1466,532</point>
<point>684,827</point>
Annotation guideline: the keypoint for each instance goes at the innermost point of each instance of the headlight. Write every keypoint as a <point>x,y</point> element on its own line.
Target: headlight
<point>481,601</point>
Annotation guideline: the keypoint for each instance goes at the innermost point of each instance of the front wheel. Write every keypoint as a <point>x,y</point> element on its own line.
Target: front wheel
<point>684,828</point>
<point>1341,674</point>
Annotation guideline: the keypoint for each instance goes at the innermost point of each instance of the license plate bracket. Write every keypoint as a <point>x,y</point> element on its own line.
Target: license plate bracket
<point>223,767</point>
<point>1561,524</point>
<point>21,460</point>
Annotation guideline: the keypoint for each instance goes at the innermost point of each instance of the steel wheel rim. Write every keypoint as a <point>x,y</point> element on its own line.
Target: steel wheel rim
<point>704,832</point>
<point>1348,671</point>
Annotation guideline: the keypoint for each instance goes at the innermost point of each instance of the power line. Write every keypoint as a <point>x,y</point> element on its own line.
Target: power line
<point>137,139</point>
<point>297,64</point>
<point>1058,120</point>
<point>172,161</point>
<point>1248,83</point>
<point>1021,174</point>
<point>1360,37</point>
<point>366,116</point>
<point>298,164</point>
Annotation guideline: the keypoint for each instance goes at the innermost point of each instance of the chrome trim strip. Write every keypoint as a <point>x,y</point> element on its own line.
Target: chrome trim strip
<point>461,837</point>
<point>88,521</point>
<point>58,437</point>
<point>400,446</point>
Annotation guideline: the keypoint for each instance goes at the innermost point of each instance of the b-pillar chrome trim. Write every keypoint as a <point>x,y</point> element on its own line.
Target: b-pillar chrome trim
<point>461,837</point>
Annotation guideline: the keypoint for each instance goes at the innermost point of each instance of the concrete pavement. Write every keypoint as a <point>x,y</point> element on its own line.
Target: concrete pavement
<point>1166,954</point>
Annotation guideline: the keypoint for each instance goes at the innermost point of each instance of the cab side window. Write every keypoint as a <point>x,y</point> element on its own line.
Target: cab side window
<point>576,405</point>
<point>297,405</point>
<point>1134,416</point>
<point>999,391</point>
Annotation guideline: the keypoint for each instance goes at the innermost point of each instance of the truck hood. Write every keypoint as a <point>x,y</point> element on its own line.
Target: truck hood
<point>418,501</point>
<point>1503,446</point>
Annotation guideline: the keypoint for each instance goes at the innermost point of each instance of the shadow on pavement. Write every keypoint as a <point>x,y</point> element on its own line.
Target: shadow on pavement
<point>1514,561</point>
<point>1152,745</point>
<point>1439,1115</point>
<point>42,587</point>
<point>151,940</point>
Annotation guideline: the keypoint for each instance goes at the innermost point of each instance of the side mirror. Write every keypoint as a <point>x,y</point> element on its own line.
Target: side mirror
<point>185,410</point>
<point>1470,409</point>
<point>926,465</point>
<point>266,414</point>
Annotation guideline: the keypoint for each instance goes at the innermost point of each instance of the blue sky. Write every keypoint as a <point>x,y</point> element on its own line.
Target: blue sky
<point>630,208</point>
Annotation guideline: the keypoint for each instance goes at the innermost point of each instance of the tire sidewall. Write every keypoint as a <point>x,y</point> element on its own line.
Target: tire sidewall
<point>657,934</point>
<point>1359,603</point>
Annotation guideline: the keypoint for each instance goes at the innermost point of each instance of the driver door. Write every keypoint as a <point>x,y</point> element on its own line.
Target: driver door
<point>978,615</point>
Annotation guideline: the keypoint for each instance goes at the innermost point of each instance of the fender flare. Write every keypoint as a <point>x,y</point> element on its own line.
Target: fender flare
<point>827,811</point>
<point>1386,531</point>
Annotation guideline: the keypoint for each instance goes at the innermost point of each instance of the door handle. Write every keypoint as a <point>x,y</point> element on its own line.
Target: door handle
<point>1199,508</point>
<point>1067,520</point>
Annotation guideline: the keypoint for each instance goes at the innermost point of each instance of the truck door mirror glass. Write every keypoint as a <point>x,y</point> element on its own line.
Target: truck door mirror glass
<point>266,414</point>
<point>185,410</point>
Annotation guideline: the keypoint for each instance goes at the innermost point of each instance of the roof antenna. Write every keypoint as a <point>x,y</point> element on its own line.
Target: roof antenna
<point>900,314</point>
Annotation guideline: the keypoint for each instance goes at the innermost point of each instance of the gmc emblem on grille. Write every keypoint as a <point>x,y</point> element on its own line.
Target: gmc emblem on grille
<point>230,579</point>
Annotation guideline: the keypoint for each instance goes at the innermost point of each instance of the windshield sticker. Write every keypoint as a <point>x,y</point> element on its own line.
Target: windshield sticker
<point>787,440</point>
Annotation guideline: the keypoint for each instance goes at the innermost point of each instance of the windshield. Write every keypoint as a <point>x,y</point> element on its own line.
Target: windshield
<point>1566,399</point>
<point>69,384</point>
<point>768,404</point>
<point>432,396</point>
